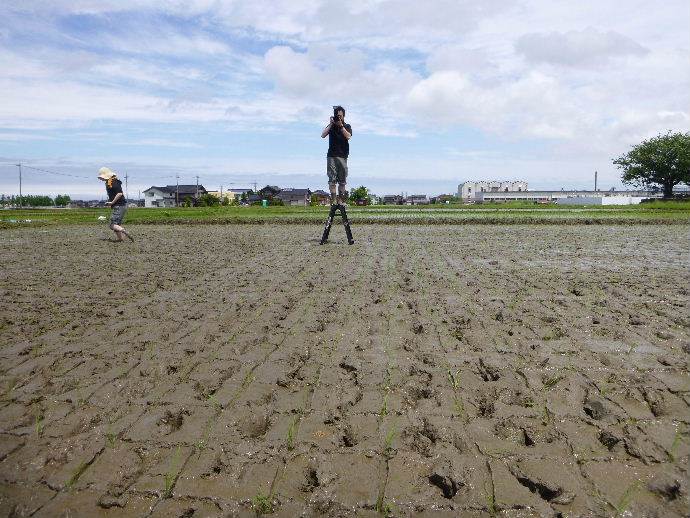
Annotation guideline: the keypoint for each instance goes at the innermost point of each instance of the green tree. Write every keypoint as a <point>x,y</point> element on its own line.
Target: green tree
<point>663,160</point>
<point>361,195</point>
<point>314,200</point>
<point>208,200</point>
<point>62,199</point>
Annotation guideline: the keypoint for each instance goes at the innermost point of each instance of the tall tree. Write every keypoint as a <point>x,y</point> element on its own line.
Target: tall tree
<point>360,194</point>
<point>663,160</point>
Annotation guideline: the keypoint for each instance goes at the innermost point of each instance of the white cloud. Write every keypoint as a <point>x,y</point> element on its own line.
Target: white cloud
<point>587,47</point>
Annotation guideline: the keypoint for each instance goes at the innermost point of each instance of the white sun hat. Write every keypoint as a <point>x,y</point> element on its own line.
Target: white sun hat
<point>105,173</point>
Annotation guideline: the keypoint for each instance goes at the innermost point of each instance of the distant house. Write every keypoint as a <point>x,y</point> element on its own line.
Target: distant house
<point>322,197</point>
<point>291,196</point>
<point>254,198</point>
<point>268,192</point>
<point>417,199</point>
<point>237,193</point>
<point>443,198</point>
<point>393,199</point>
<point>171,195</point>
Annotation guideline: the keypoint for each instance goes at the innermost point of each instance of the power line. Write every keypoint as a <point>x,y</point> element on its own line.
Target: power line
<point>53,172</point>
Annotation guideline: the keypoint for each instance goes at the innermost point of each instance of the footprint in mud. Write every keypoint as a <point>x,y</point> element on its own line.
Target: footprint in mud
<point>595,409</point>
<point>488,372</point>
<point>255,426</point>
<point>173,420</point>
<point>349,437</point>
<point>443,476</point>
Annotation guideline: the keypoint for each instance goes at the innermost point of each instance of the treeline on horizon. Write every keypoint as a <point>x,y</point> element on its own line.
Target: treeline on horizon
<point>34,200</point>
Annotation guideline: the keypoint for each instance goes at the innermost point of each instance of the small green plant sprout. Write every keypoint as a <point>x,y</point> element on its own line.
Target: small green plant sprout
<point>214,402</point>
<point>384,406</point>
<point>383,507</point>
<point>552,381</point>
<point>248,378</point>
<point>626,498</point>
<point>262,503</point>
<point>292,433</point>
<point>546,416</point>
<point>38,423</point>
<point>677,439</point>
<point>110,437</point>
<point>76,474</point>
<point>490,499</point>
<point>454,378</point>
<point>459,406</point>
<point>171,475</point>
<point>388,443</point>
<point>387,378</point>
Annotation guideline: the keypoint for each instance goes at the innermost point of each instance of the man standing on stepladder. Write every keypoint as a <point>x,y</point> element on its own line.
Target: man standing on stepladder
<point>339,135</point>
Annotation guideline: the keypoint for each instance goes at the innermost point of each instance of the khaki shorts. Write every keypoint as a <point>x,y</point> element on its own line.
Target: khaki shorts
<point>336,167</point>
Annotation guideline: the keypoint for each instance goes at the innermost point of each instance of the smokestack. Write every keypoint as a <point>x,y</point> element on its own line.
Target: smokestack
<point>595,180</point>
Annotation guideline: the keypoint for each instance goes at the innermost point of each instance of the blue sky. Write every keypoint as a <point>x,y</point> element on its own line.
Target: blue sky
<point>237,92</point>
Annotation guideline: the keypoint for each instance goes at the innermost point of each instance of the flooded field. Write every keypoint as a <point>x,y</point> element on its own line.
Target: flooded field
<point>424,371</point>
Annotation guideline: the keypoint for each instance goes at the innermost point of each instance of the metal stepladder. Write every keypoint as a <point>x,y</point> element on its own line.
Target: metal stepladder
<point>343,213</point>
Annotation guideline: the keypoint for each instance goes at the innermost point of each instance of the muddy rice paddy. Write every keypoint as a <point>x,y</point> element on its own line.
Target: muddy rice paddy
<point>424,371</point>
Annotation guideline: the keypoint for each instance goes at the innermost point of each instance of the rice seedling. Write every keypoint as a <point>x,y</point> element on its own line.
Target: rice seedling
<point>110,437</point>
<point>384,407</point>
<point>292,433</point>
<point>388,442</point>
<point>38,423</point>
<point>262,503</point>
<point>490,498</point>
<point>454,378</point>
<point>459,406</point>
<point>552,381</point>
<point>171,475</point>
<point>626,498</point>
<point>383,507</point>
<point>677,439</point>
<point>214,402</point>
<point>78,471</point>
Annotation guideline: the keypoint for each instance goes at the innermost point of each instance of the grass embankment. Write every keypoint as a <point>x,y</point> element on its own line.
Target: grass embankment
<point>517,212</point>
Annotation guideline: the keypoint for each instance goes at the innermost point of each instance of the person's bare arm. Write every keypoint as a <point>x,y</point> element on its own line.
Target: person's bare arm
<point>346,133</point>
<point>117,197</point>
<point>327,129</point>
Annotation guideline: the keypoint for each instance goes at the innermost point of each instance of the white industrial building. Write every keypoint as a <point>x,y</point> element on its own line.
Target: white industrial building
<point>503,191</point>
<point>469,191</point>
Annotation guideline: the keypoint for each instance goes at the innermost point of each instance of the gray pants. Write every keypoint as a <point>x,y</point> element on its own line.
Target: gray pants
<point>336,167</point>
<point>117,216</point>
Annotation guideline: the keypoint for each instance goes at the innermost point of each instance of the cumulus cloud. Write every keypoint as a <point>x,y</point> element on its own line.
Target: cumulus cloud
<point>577,48</point>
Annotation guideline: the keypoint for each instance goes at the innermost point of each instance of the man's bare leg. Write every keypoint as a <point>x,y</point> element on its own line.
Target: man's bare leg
<point>334,198</point>
<point>342,193</point>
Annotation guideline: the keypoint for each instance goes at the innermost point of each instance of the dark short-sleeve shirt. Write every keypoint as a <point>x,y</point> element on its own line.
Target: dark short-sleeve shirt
<point>338,145</point>
<point>114,187</point>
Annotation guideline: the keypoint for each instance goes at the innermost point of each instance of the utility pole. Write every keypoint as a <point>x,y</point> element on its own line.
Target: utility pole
<point>177,192</point>
<point>20,184</point>
<point>196,194</point>
<point>254,187</point>
<point>126,185</point>
<point>221,194</point>
<point>595,180</point>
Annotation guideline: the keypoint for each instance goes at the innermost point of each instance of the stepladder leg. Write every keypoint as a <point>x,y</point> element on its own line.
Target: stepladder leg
<point>329,222</point>
<point>346,224</point>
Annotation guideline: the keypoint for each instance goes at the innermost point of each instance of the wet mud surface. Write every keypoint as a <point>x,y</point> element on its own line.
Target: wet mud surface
<point>440,370</point>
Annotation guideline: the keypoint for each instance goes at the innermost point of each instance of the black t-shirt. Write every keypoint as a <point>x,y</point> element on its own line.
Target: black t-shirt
<point>114,186</point>
<point>337,143</point>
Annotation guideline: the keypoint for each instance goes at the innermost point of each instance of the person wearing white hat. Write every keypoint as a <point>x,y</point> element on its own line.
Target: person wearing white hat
<point>116,200</point>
